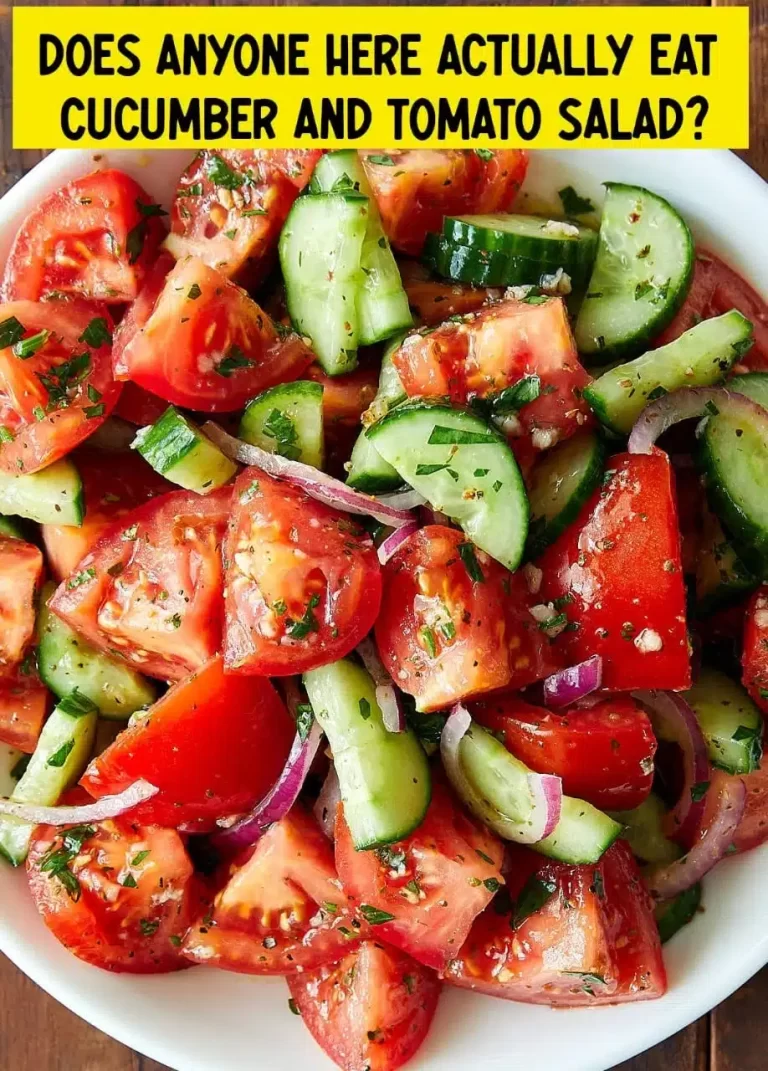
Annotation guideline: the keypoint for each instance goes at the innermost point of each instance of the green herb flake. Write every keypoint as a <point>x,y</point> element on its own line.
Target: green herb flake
<point>657,392</point>
<point>28,347</point>
<point>305,717</point>
<point>174,621</point>
<point>93,411</point>
<point>59,757</point>
<point>699,790</point>
<point>448,629</point>
<point>329,908</point>
<point>139,858</point>
<point>93,394</point>
<point>442,436</point>
<point>481,472</point>
<point>76,704</point>
<point>149,927</point>
<point>533,896</point>
<point>293,1006</point>
<point>280,427</point>
<point>175,940</point>
<point>492,884</point>
<point>194,292</point>
<point>81,578</point>
<point>485,154</point>
<point>195,190</point>
<point>6,435</point>
<point>512,399</point>
<point>365,709</point>
<point>11,332</point>
<point>254,212</point>
<point>409,981</point>
<point>234,359</point>
<point>129,882</point>
<point>428,640</point>
<point>382,161</point>
<point>59,380</point>
<point>38,413</point>
<point>374,916</point>
<point>471,564</point>
<point>221,175</point>
<point>299,630</point>
<point>96,334</point>
<point>573,204</point>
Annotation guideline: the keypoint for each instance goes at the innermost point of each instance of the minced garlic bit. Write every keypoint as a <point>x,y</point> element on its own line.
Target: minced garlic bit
<point>544,438</point>
<point>533,577</point>
<point>648,641</point>
<point>557,284</point>
<point>558,229</point>
<point>517,293</point>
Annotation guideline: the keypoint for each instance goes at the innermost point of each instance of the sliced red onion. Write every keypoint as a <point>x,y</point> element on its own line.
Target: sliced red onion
<point>567,686</point>
<point>729,795</point>
<point>686,404</point>
<point>546,790</point>
<point>317,484</point>
<point>674,720</point>
<point>387,695</point>
<point>409,499</point>
<point>99,811</point>
<point>434,516</point>
<point>280,798</point>
<point>388,547</point>
<point>327,803</point>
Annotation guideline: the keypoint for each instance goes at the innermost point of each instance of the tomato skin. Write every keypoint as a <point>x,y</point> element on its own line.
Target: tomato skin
<point>415,188</point>
<point>25,703</point>
<point>619,570</point>
<point>603,753</point>
<point>371,1010</point>
<point>24,397</point>
<point>755,652</point>
<point>345,399</point>
<point>435,300</point>
<point>211,223</point>
<point>112,486</point>
<point>213,745</point>
<point>498,347</point>
<point>176,351</point>
<point>443,858</point>
<point>21,573</point>
<point>293,560</point>
<point>138,406</point>
<point>89,221</point>
<point>499,646</point>
<point>599,924</point>
<point>111,925</point>
<point>269,918</point>
<point>716,288</point>
<point>150,589</point>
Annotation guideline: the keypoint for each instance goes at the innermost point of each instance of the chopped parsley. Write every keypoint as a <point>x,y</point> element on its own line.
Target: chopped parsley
<point>234,359</point>
<point>299,630</point>
<point>374,916</point>
<point>383,161</point>
<point>657,392</point>
<point>699,790</point>
<point>59,380</point>
<point>11,332</point>
<point>513,398</point>
<point>195,190</point>
<point>134,242</point>
<point>81,578</point>
<point>255,212</point>
<point>365,709</point>
<point>149,927</point>
<point>28,347</point>
<point>129,882</point>
<point>222,175</point>
<point>194,292</point>
<point>442,436</point>
<point>293,1006</point>
<point>471,564</point>
<point>428,639</point>
<point>139,858</point>
<point>282,429</point>
<point>59,757</point>
<point>77,705</point>
<point>430,470</point>
<point>533,896</point>
<point>174,621</point>
<point>93,411</point>
<point>305,716</point>
<point>56,861</point>
<point>573,204</point>
<point>391,857</point>
<point>96,334</point>
<point>485,154</point>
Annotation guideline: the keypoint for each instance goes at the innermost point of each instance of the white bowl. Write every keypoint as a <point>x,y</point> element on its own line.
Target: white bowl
<point>203,1018</point>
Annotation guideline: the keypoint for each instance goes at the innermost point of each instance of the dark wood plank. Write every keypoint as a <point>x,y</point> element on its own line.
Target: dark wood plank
<point>740,1028</point>
<point>686,1051</point>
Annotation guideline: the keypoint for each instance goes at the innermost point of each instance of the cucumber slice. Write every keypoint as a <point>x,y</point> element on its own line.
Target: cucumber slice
<point>9,527</point>
<point>700,357</point>
<point>51,496</point>
<point>320,249</point>
<point>464,468</point>
<point>641,275</point>
<point>730,722</point>
<point>501,799</point>
<point>550,243</point>
<point>178,450</point>
<point>61,755</point>
<point>644,832</point>
<point>382,303</point>
<point>559,485</point>
<point>672,915</point>
<point>67,662</point>
<point>721,575</point>
<point>287,420</point>
<point>384,777</point>
<point>733,456</point>
<point>13,763</point>
<point>368,471</point>
<point>754,385</point>
<point>479,267</point>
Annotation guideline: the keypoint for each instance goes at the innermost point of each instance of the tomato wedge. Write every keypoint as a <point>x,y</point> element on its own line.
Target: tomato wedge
<point>138,406</point>
<point>755,653</point>
<point>345,399</point>
<point>716,288</point>
<point>436,300</point>
<point>231,204</point>
<point>429,888</point>
<point>281,910</point>
<point>303,580</point>
<point>56,385</point>
<point>444,634</point>
<point>150,589</point>
<point>21,573</point>
<point>415,188</point>
<point>603,753</point>
<point>205,345</point>
<point>213,745</point>
<point>494,349</point>
<point>568,936</point>
<point>616,575</point>
<point>94,238</point>
<point>24,705</point>
<point>372,1010</point>
<point>117,894</point>
<point>112,485</point>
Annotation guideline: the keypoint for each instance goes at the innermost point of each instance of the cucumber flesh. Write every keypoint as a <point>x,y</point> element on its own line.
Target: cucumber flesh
<point>12,765</point>
<point>700,357</point>
<point>672,915</point>
<point>178,450</point>
<point>52,496</point>
<point>61,755</point>
<point>383,776</point>
<point>10,528</point>
<point>478,267</point>
<point>68,662</point>
<point>730,722</point>
<point>464,468</point>
<point>287,420</point>
<point>644,832</point>
<point>320,249</point>
<point>549,243</point>
<point>641,275</point>
<point>559,485</point>
<point>499,796</point>
<point>368,471</point>
<point>382,303</point>
<point>754,385</point>
<point>721,575</point>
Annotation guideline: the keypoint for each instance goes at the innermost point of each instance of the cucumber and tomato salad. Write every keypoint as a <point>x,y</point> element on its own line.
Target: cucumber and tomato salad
<point>413,753</point>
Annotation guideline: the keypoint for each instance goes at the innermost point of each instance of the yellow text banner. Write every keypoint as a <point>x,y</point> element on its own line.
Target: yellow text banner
<point>578,77</point>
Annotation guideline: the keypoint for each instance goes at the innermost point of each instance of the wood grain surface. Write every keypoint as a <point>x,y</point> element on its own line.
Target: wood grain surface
<point>38,1034</point>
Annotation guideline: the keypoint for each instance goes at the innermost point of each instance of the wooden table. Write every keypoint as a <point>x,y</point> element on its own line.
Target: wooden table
<point>37,1034</point>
